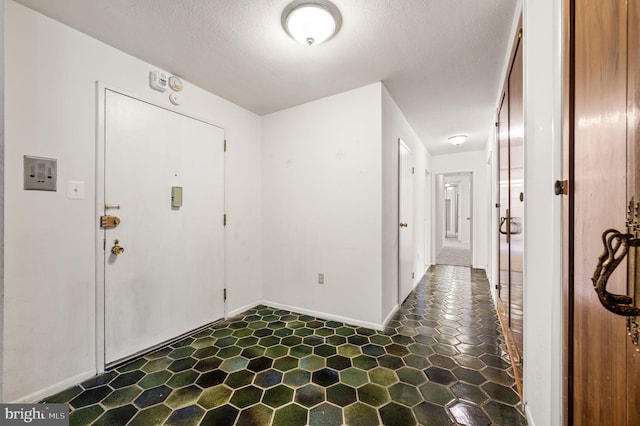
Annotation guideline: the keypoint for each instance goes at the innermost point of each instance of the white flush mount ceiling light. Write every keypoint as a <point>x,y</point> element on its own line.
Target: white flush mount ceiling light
<point>311,22</point>
<point>458,139</point>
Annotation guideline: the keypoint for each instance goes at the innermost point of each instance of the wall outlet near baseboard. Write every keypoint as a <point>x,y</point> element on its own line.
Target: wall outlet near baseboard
<point>320,278</point>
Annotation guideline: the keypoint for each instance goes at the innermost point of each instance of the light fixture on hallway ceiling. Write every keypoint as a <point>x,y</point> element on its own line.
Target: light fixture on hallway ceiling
<point>458,139</point>
<point>311,22</point>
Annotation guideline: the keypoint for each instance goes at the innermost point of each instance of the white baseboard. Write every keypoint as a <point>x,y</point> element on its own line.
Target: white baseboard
<point>416,282</point>
<point>53,389</point>
<point>241,309</point>
<point>527,412</point>
<point>391,314</point>
<point>324,315</point>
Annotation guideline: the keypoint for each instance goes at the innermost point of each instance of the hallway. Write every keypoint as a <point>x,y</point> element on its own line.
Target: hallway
<point>441,361</point>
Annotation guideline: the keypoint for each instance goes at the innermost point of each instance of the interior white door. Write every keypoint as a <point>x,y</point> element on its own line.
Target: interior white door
<point>170,277</point>
<point>407,223</point>
<point>465,209</point>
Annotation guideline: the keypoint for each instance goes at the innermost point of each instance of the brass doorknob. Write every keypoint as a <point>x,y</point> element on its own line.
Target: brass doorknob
<point>403,225</point>
<point>116,249</point>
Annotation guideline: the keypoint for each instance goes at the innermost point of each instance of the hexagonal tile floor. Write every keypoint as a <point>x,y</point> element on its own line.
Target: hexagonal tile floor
<point>442,360</point>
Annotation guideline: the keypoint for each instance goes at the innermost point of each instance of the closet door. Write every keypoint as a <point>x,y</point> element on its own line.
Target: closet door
<point>605,147</point>
<point>511,195</point>
<point>516,202</point>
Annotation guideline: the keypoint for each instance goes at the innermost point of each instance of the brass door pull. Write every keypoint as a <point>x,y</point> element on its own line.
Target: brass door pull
<point>116,249</point>
<point>616,247</point>
<point>506,220</point>
<point>502,221</point>
<point>403,225</point>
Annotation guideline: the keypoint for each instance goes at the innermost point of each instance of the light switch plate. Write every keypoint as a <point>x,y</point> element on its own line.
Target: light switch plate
<point>75,190</point>
<point>40,174</point>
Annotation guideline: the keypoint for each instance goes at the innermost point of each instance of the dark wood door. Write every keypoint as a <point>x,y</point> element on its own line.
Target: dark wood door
<point>606,44</point>
<point>511,204</point>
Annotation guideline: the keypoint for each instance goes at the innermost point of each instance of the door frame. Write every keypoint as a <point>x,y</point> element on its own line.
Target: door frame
<point>402,144</point>
<point>437,212</point>
<point>100,247</point>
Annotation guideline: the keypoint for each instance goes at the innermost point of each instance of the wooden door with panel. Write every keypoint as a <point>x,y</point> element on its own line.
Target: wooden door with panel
<point>605,364</point>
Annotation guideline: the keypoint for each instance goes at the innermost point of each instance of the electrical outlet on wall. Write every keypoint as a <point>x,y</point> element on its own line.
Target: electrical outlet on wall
<point>320,278</point>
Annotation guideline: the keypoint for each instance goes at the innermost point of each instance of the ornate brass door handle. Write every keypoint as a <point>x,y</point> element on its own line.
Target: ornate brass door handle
<point>616,246</point>
<point>507,231</point>
<point>502,221</point>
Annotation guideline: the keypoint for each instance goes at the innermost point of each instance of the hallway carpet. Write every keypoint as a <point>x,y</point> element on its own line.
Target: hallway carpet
<point>441,361</point>
<point>454,256</point>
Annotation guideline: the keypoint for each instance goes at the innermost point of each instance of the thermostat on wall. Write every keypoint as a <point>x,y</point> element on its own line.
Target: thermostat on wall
<point>158,80</point>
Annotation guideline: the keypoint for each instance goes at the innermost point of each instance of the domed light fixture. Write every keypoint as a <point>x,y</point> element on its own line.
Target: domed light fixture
<point>311,22</point>
<point>458,139</point>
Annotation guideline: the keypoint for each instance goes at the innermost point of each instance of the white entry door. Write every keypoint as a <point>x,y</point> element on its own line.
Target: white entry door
<point>407,223</point>
<point>170,277</point>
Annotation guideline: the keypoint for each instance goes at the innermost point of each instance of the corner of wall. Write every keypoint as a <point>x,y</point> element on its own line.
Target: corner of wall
<point>321,205</point>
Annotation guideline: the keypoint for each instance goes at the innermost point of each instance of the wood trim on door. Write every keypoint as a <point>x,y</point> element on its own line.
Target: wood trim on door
<point>568,88</point>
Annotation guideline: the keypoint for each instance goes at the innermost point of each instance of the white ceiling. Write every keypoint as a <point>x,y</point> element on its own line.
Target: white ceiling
<point>441,60</point>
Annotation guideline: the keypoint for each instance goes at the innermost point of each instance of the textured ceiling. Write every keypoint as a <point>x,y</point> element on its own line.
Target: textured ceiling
<point>441,60</point>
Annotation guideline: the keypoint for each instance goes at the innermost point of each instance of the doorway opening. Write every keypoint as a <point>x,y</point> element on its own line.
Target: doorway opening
<point>454,220</point>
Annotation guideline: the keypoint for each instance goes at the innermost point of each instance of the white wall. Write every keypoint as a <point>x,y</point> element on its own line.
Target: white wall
<point>330,205</point>
<point>49,273</point>
<point>475,162</point>
<point>542,22</point>
<point>2,109</point>
<point>395,126</point>
<point>321,206</point>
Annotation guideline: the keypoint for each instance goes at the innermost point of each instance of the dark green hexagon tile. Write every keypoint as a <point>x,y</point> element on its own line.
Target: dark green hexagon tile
<point>441,360</point>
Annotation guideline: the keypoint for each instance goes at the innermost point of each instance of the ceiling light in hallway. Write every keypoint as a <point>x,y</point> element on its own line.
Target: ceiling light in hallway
<point>311,22</point>
<point>458,139</point>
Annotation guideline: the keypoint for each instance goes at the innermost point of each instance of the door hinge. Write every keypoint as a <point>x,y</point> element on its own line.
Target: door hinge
<point>225,294</point>
<point>413,170</point>
<point>413,275</point>
<point>225,145</point>
<point>497,124</point>
<point>224,219</point>
<point>520,33</point>
<point>104,244</point>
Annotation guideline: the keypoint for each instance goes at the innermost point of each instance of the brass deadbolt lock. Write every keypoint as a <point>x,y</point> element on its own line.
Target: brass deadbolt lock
<point>116,249</point>
<point>109,221</point>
